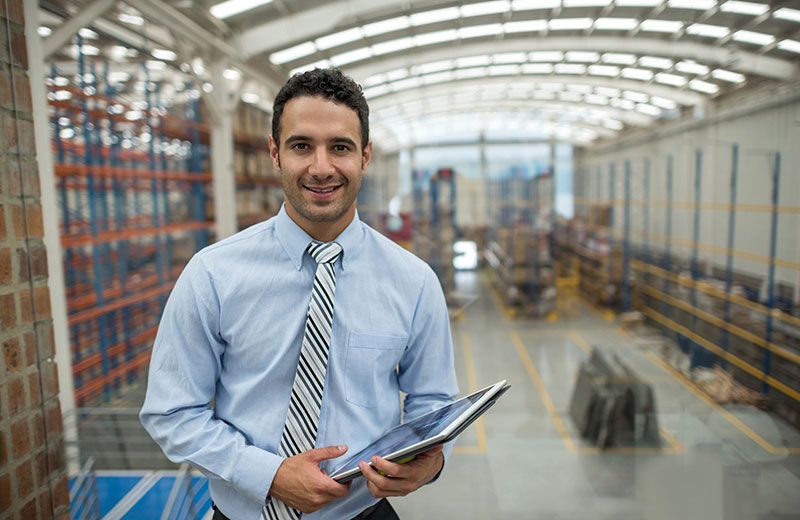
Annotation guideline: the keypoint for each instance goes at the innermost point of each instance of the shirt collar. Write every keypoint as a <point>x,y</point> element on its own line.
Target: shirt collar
<point>295,241</point>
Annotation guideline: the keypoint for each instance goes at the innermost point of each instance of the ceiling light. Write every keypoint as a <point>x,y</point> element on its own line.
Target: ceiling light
<point>618,59</point>
<point>292,53</point>
<point>671,79</point>
<point>118,77</point>
<point>437,15</point>
<point>250,97</point>
<point>537,68</point>
<point>655,62</point>
<point>62,95</point>
<point>525,26</point>
<point>230,8</point>
<point>130,19</point>
<point>700,5</point>
<point>709,31</point>
<point>703,86</point>
<point>574,97</point>
<point>163,54</point>
<point>362,53</point>
<point>232,74</point>
<point>789,45</point>
<point>435,37</point>
<point>691,67</point>
<point>133,115</point>
<point>527,5</point>
<point>386,26</point>
<point>583,56</point>
<point>595,99</point>
<point>339,38</point>
<point>640,74</point>
<point>473,61</point>
<point>509,57</point>
<point>434,66</point>
<point>585,3</point>
<point>785,13</point>
<point>615,24</point>
<point>44,31</point>
<point>650,110</point>
<point>567,24</point>
<point>440,77</point>
<point>321,64</point>
<point>88,34</point>
<point>504,70</point>
<point>392,46</point>
<point>604,70</point>
<point>665,26</point>
<point>638,3</point>
<point>608,91</point>
<point>665,103</point>
<point>483,8</point>
<point>727,75</point>
<point>570,68</point>
<point>477,31</point>
<point>470,73</point>
<point>735,6</point>
<point>394,75</point>
<point>546,56</point>
<point>624,104</point>
<point>405,84</point>
<point>576,87</point>
<point>155,65</point>
<point>613,124</point>
<point>756,38</point>
<point>636,97</point>
<point>374,92</point>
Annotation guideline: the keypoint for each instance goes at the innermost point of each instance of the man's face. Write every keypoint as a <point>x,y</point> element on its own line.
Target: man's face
<point>321,161</point>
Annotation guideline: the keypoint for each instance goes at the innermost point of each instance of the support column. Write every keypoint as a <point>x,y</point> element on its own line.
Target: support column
<point>52,239</point>
<point>222,173</point>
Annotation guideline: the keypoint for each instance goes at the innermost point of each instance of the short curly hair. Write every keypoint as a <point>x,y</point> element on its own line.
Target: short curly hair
<point>330,84</point>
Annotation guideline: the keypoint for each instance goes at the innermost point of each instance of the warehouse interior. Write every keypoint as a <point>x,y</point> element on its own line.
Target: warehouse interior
<point>607,191</point>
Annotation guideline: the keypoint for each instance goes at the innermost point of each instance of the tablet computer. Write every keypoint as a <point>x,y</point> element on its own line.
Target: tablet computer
<point>424,432</point>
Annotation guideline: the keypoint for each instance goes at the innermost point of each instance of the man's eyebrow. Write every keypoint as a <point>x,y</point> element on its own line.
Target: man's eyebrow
<point>295,138</point>
<point>343,140</point>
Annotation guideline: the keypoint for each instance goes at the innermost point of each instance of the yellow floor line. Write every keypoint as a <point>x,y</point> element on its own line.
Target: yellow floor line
<point>537,382</point>
<point>677,446</point>
<point>472,381</point>
<point>581,342</point>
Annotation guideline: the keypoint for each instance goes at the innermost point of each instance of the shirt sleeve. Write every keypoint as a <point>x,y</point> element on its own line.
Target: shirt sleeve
<point>184,369</point>
<point>426,371</point>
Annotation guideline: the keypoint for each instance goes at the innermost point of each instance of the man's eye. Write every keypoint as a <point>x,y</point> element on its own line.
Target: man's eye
<point>300,146</point>
<point>341,148</point>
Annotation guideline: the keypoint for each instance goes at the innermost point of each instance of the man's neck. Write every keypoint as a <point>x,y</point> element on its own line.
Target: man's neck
<point>322,231</point>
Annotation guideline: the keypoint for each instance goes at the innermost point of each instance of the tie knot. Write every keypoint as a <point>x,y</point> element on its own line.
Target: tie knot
<point>326,252</point>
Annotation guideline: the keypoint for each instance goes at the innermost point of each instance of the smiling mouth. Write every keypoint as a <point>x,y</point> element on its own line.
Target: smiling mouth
<point>322,191</point>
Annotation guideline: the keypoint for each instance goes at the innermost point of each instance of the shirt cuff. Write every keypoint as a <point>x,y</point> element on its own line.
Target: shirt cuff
<point>255,471</point>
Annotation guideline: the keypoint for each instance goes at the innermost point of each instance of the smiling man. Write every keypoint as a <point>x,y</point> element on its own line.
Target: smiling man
<point>288,345</point>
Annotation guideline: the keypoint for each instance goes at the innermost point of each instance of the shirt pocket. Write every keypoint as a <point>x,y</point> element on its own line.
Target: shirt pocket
<point>370,367</point>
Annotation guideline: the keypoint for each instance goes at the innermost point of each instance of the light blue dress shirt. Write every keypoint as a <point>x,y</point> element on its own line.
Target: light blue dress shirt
<point>231,334</point>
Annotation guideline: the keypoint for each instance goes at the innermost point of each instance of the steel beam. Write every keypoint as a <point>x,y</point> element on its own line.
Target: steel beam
<point>70,27</point>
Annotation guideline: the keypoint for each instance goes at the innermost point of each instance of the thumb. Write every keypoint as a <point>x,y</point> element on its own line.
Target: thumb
<point>328,452</point>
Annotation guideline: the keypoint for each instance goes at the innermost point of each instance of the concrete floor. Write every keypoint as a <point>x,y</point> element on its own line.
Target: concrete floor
<point>525,459</point>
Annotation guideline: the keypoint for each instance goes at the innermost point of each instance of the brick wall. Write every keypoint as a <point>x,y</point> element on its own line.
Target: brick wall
<point>33,482</point>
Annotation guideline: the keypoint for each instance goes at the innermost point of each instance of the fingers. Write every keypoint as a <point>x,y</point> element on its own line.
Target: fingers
<point>328,452</point>
<point>381,486</point>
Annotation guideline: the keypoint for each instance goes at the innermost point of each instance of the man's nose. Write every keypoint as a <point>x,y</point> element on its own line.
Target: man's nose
<point>321,163</point>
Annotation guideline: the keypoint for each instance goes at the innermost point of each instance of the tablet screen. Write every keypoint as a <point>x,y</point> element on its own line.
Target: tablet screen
<point>413,432</point>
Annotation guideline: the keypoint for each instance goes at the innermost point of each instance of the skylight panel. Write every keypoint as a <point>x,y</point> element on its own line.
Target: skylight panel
<point>596,99</point>
<point>478,72</point>
<point>709,31</point>
<point>510,57</point>
<point>613,124</point>
<point>567,24</point>
<point>665,103</point>
<point>583,56</point>
<point>618,58</point>
<point>230,8</point>
<point>525,26</point>
<point>735,6</point>
<point>339,38</point>
<point>703,86</point>
<point>164,54</point>
<point>504,70</point>
<point>392,46</point>
<point>437,15</point>
<point>574,97</point>
<point>537,68</point>
<point>473,61</point>
<point>322,64</point>
<point>700,5</point>
<point>604,70</point>
<point>640,74</point>
<point>359,54</point>
<point>551,86</point>
<point>386,26</point>
<point>434,66</point>
<point>292,53</point>
<point>483,8</point>
<point>375,79</point>
<point>789,45</point>
<point>638,3</point>
<point>671,79</point>
<point>753,37</point>
<point>546,56</point>
<point>578,87</point>
<point>727,75</point>
<point>570,68</point>
<point>615,24</point>
<point>691,67</point>
<point>655,62</point>
<point>477,31</point>
<point>374,92</point>
<point>435,37</point>
<point>527,5</point>
<point>624,104</point>
<point>649,110</point>
<point>439,77</point>
<point>785,13</point>
<point>636,97</point>
<point>405,84</point>
<point>544,96</point>
<point>394,75</point>
<point>586,3</point>
<point>665,26</point>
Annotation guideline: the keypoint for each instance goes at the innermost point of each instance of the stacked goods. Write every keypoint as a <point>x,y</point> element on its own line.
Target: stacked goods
<point>523,263</point>
<point>434,245</point>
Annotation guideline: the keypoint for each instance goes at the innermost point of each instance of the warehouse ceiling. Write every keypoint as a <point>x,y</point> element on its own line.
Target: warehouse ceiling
<point>434,71</point>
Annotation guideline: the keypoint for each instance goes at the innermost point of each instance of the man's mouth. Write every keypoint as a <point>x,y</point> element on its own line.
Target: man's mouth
<point>322,191</point>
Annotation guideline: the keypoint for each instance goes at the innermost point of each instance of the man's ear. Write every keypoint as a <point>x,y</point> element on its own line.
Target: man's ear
<point>273,153</point>
<point>366,156</point>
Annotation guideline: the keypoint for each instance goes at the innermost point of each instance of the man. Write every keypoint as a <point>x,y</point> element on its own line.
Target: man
<point>287,345</point>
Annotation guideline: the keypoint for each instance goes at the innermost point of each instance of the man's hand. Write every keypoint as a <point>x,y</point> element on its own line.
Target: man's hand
<point>300,484</point>
<point>402,479</point>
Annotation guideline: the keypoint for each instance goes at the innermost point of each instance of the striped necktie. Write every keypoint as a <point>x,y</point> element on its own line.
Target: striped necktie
<point>300,430</point>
